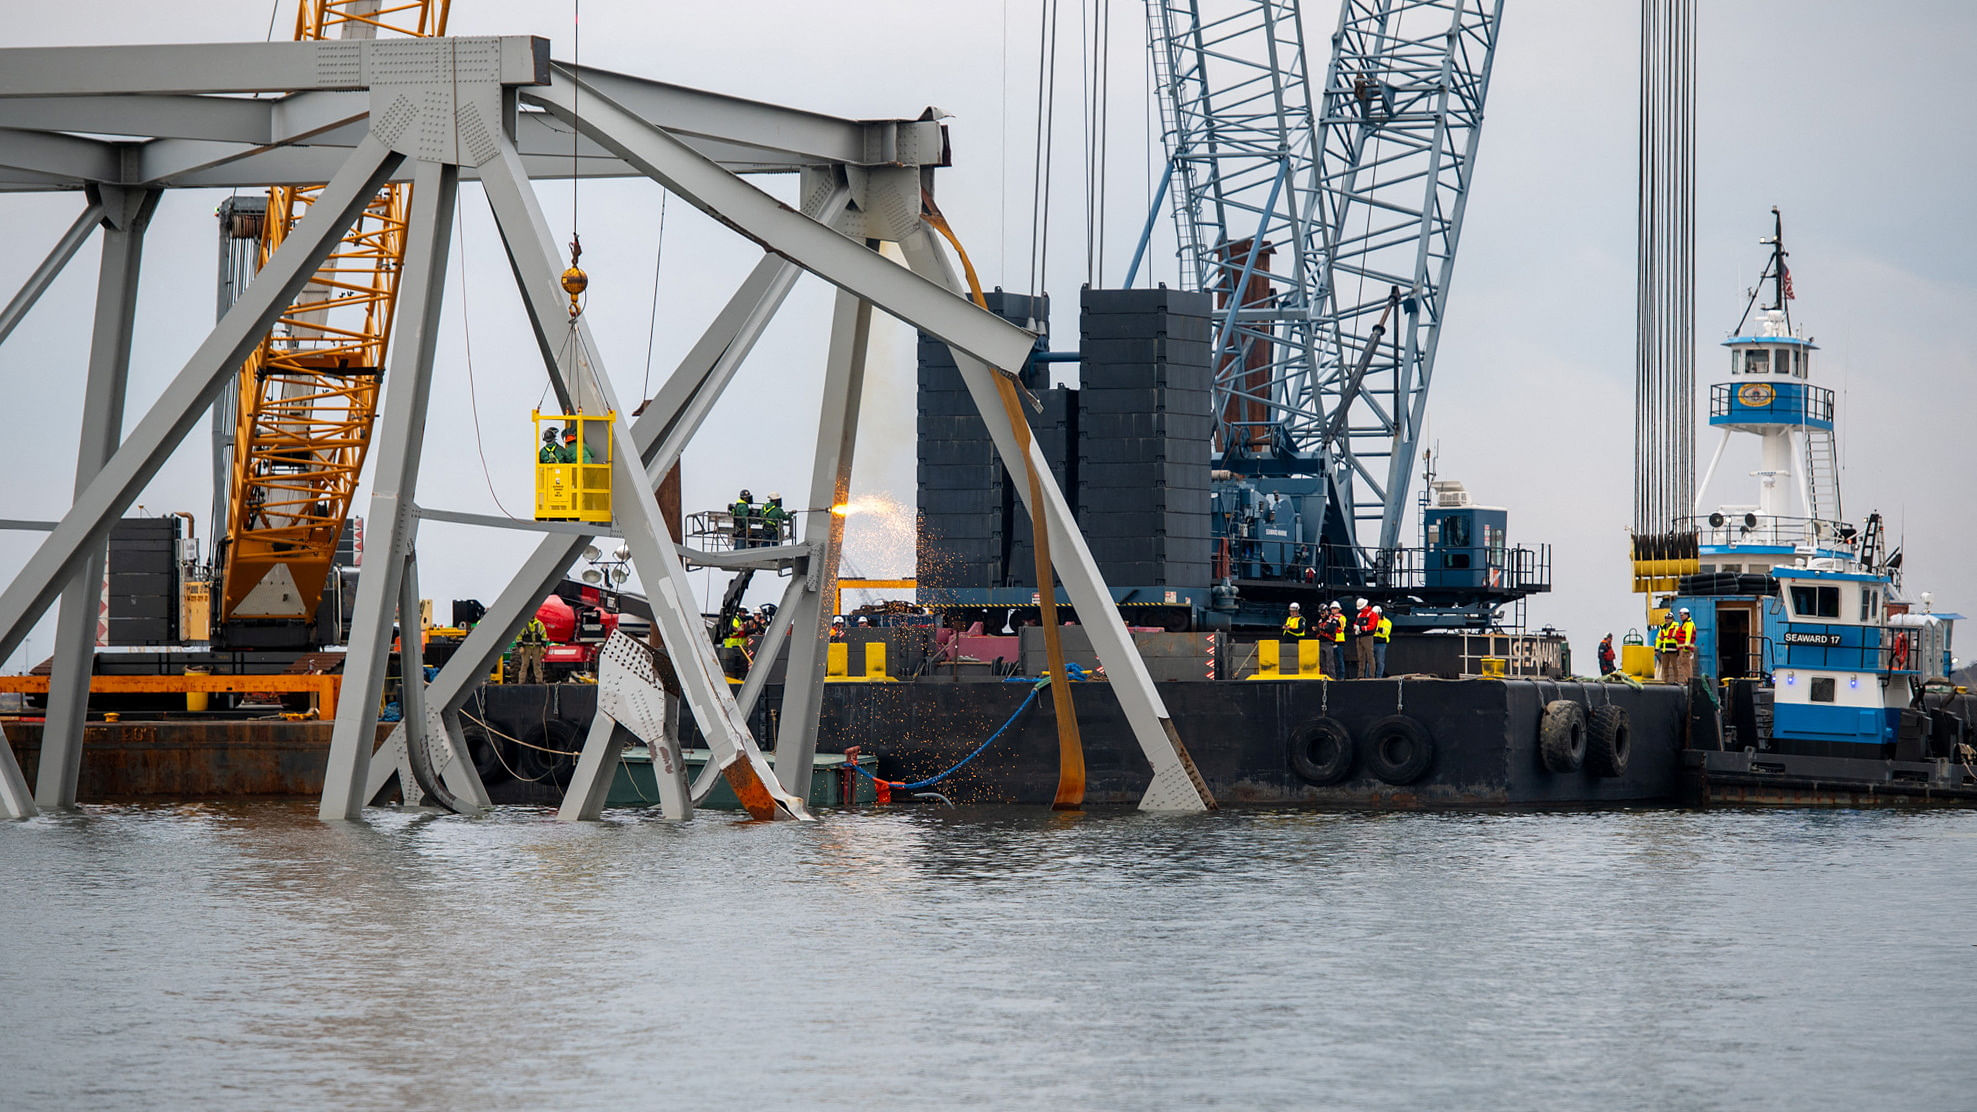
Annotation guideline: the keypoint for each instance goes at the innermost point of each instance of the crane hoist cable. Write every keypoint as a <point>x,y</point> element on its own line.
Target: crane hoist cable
<point>1070,747</point>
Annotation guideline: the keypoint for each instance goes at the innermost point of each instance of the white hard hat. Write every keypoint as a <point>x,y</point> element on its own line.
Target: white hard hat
<point>1336,606</point>
<point>1294,606</point>
<point>774,497</point>
<point>1685,609</point>
<point>1361,603</point>
<point>1377,610</point>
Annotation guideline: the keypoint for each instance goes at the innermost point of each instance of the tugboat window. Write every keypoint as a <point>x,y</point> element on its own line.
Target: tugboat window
<point>1822,689</point>
<point>1757,362</point>
<point>1815,602</point>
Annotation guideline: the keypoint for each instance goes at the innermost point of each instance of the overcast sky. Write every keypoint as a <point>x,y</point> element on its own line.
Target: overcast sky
<point>1848,117</point>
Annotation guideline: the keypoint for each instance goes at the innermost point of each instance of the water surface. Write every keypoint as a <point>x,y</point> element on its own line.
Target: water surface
<point>247,956</point>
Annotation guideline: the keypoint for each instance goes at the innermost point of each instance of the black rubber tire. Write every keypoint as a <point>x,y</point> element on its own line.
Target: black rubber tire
<point>1321,751</point>
<point>1609,741</point>
<point>1399,750</point>
<point>487,763</point>
<point>1562,736</point>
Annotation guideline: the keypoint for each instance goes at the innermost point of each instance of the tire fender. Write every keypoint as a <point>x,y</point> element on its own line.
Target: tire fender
<point>1321,751</point>
<point>1562,736</point>
<point>1399,749</point>
<point>1609,741</point>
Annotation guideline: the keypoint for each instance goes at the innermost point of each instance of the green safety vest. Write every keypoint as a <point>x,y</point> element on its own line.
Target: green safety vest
<point>1295,626</point>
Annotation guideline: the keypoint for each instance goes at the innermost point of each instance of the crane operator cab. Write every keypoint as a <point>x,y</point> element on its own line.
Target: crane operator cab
<point>573,466</point>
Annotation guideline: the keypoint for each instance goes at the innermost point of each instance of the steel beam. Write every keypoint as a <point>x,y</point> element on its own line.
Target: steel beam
<point>126,216</point>
<point>187,396</point>
<point>88,522</point>
<point>44,275</point>
<point>246,67</point>
<point>392,525</point>
<point>809,244</point>
<point>702,682</point>
<point>1176,785</point>
<point>830,488</point>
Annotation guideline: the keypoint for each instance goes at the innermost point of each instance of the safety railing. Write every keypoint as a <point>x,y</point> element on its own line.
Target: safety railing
<point>726,531</point>
<point>1776,530</point>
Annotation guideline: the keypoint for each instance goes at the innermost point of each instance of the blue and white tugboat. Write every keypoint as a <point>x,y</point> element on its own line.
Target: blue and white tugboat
<point>1830,686</point>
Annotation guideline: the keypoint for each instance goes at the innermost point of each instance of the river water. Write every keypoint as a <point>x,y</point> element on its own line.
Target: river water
<point>247,956</point>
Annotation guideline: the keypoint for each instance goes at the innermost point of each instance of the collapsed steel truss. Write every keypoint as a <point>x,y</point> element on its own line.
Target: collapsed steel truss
<point>358,114</point>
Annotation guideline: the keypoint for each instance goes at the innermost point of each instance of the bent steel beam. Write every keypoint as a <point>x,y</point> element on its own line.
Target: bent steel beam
<point>1176,785</point>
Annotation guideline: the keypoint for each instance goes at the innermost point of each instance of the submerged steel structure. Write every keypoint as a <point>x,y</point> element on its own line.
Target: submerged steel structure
<point>124,123</point>
<point>1302,203</point>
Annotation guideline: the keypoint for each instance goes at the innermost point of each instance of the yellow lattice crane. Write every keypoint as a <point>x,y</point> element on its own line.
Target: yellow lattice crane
<point>308,395</point>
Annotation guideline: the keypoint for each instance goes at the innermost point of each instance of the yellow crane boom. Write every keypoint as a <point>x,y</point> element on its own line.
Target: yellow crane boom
<point>308,395</point>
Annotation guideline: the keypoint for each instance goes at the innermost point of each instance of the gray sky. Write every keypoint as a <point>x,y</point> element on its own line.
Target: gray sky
<point>1843,116</point>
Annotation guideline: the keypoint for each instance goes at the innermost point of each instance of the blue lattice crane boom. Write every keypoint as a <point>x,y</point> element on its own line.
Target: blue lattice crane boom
<point>1316,202</point>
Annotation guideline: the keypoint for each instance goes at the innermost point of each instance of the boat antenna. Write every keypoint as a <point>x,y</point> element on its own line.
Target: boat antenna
<point>1776,270</point>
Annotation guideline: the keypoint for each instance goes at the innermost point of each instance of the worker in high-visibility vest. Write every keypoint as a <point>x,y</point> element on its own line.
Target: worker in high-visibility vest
<point>531,646</point>
<point>1665,657</point>
<point>1685,648</point>
<point>1382,633</point>
<point>1336,625</point>
<point>551,452</point>
<point>1295,627</point>
<point>742,512</point>
<point>775,519</point>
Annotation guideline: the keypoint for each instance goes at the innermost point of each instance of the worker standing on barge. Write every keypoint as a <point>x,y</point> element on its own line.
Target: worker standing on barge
<point>1383,633</point>
<point>1295,627</point>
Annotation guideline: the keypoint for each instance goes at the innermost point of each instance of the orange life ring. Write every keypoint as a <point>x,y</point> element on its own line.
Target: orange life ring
<point>1899,656</point>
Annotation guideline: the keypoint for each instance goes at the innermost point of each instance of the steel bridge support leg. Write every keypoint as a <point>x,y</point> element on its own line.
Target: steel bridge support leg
<point>126,215</point>
<point>1176,785</point>
<point>654,554</point>
<point>392,521</point>
<point>51,267</point>
<point>87,524</point>
<point>830,487</point>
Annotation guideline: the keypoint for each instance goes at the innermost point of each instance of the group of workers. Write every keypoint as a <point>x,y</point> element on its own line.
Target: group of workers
<point>757,526</point>
<point>560,446</point>
<point>1674,649</point>
<point>1366,632</point>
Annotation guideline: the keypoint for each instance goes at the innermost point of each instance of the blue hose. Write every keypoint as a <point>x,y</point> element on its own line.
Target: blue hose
<point>898,785</point>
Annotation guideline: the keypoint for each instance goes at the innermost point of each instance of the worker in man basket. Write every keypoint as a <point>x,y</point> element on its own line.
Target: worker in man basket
<point>742,513</point>
<point>837,628</point>
<point>530,647</point>
<point>1383,633</point>
<point>1295,627</point>
<point>775,520</point>
<point>1606,655</point>
<point>570,451</point>
<point>1364,624</point>
<point>1685,648</point>
<point>551,451</point>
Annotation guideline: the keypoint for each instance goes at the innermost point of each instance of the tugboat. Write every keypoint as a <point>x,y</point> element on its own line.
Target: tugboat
<point>1830,685</point>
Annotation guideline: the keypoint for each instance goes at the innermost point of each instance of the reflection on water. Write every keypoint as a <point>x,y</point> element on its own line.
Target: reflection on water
<point>247,956</point>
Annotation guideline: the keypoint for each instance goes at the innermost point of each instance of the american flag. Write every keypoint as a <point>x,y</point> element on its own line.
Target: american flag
<point>1786,272</point>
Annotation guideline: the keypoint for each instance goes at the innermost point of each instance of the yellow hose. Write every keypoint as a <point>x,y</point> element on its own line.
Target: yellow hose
<point>1070,747</point>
